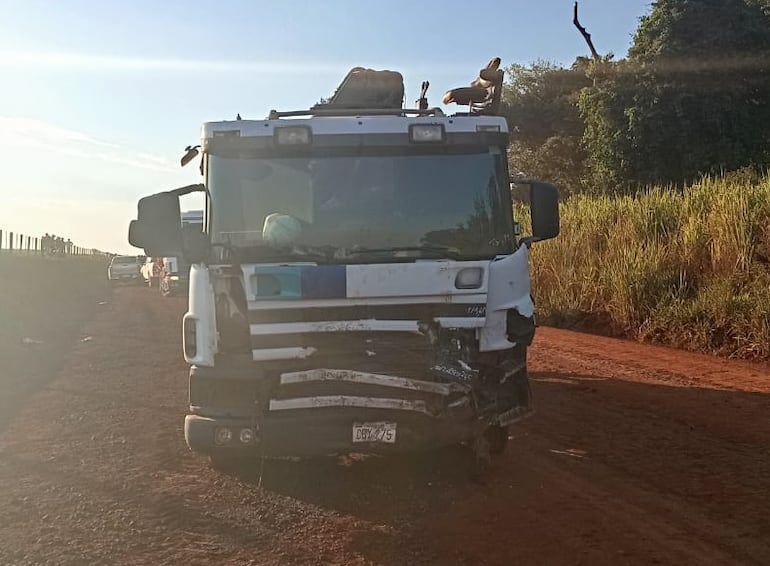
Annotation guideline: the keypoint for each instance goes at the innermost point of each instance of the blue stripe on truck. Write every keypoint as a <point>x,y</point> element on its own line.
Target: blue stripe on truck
<point>281,282</point>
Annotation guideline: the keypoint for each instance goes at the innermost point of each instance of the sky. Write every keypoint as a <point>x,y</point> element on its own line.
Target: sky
<point>98,98</point>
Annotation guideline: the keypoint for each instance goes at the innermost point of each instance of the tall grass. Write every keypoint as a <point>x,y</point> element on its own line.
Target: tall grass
<point>686,268</point>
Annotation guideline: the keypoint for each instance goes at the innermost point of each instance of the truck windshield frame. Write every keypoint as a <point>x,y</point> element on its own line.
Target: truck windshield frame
<point>349,199</point>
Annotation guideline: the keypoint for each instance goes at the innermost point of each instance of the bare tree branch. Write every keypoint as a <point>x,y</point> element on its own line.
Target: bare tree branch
<point>585,34</point>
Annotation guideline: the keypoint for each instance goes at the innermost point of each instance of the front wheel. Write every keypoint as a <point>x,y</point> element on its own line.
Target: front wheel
<point>497,437</point>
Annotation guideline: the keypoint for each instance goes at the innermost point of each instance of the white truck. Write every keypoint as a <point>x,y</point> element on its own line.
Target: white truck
<point>124,269</point>
<point>360,284</point>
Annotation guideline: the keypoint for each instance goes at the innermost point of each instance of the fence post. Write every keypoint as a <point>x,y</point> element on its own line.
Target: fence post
<point>1,240</point>
<point>10,241</point>
<point>28,243</point>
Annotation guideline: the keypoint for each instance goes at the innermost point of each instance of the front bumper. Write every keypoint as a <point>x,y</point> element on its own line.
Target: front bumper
<point>326,432</point>
<point>313,413</point>
<point>124,276</point>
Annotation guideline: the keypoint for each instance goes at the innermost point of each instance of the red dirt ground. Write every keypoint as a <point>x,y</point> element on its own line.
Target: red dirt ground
<point>637,455</point>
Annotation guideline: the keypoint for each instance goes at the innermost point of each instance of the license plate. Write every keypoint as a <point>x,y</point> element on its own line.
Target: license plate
<point>384,432</point>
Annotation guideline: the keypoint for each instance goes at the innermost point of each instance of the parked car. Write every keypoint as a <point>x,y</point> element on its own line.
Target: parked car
<point>125,269</point>
<point>151,271</point>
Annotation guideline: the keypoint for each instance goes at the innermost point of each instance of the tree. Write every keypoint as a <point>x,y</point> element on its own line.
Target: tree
<point>540,104</point>
<point>680,31</point>
<point>693,97</point>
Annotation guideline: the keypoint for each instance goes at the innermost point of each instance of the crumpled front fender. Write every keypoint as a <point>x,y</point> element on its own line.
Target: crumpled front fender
<point>509,288</point>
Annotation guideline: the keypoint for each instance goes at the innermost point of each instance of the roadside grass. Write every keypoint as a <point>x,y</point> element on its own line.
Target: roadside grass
<point>685,268</point>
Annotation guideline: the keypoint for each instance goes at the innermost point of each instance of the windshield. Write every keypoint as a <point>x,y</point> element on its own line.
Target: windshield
<point>358,203</point>
<point>124,260</point>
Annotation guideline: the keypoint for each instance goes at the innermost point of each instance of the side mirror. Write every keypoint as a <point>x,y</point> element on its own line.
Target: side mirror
<point>543,201</point>
<point>544,210</point>
<point>197,247</point>
<point>191,152</point>
<point>158,227</point>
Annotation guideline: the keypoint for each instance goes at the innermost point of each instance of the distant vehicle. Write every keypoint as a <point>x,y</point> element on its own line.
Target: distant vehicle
<point>174,272</point>
<point>150,271</point>
<point>124,268</point>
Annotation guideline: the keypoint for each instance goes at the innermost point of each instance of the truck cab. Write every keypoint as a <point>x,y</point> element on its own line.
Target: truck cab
<point>360,284</point>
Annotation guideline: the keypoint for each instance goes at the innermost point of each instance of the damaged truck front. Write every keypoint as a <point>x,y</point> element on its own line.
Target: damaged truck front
<point>360,285</point>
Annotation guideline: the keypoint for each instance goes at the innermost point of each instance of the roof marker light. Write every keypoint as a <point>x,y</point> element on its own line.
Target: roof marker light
<point>427,133</point>
<point>488,128</point>
<point>292,135</point>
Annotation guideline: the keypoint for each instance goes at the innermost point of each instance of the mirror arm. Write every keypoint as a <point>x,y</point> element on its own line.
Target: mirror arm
<point>187,189</point>
<point>528,241</point>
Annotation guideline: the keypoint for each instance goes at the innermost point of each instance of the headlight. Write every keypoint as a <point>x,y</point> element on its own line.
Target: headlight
<point>469,278</point>
<point>223,435</point>
<point>246,436</point>
<point>190,337</point>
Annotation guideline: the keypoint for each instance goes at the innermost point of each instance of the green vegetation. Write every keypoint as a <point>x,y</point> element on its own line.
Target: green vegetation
<point>687,112</point>
<point>688,269</point>
<point>692,98</point>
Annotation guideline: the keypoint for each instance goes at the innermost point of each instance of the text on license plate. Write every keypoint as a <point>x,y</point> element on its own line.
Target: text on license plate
<point>375,432</point>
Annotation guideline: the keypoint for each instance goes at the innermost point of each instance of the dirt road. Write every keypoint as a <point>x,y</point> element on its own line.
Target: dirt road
<point>637,455</point>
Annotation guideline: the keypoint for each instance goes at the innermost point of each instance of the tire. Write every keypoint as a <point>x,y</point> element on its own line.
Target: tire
<point>497,436</point>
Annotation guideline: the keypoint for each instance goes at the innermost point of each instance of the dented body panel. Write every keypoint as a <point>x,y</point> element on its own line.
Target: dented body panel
<point>363,343</point>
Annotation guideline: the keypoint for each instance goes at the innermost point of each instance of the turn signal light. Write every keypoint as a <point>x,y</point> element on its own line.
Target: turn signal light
<point>190,337</point>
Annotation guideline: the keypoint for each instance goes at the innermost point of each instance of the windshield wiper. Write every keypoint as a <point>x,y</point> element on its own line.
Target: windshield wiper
<point>428,250</point>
